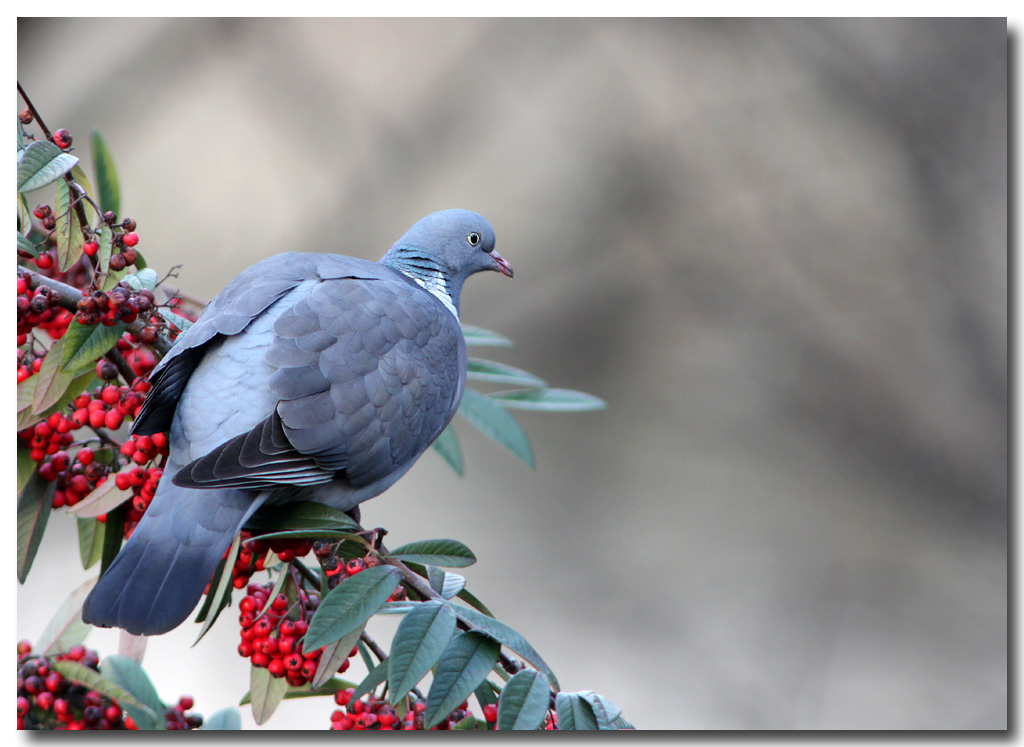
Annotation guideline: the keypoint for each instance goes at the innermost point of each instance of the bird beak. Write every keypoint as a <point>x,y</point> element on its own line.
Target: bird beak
<point>501,265</point>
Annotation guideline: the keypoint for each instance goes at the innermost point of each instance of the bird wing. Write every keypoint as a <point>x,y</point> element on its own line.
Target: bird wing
<point>368,372</point>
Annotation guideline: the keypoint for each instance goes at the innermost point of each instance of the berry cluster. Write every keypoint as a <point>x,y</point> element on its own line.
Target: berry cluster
<point>337,569</point>
<point>142,482</point>
<point>39,307</point>
<point>48,700</point>
<point>272,631</point>
<point>121,303</point>
<point>373,713</point>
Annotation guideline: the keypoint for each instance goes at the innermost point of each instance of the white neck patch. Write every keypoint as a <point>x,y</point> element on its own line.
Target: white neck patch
<point>434,283</point>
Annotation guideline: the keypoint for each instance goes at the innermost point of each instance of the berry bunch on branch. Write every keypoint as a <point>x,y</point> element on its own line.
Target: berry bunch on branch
<point>306,581</point>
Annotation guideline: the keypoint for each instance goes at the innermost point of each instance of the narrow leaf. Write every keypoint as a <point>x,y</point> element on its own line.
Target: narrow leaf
<point>34,506</point>
<point>447,445</point>
<point>106,497</point>
<point>78,385</point>
<point>421,638</point>
<point>447,552</point>
<point>550,400</point>
<point>132,677</point>
<point>265,693</point>
<point>464,664</point>
<point>444,583</point>
<point>26,465</point>
<point>524,701</point>
<point>500,373</point>
<point>143,715</point>
<point>350,604</point>
<point>226,719</point>
<point>142,279</point>
<point>113,533</point>
<point>507,636</point>
<point>484,337</point>
<point>604,710</point>
<point>41,163</point>
<point>491,419</point>
<point>27,246</point>
<point>83,181</point>
<point>300,515</point>
<point>66,628</point>
<point>333,655</point>
<point>68,233</point>
<point>574,713</point>
<point>90,541</point>
<point>84,343</point>
<point>106,175</point>
<point>219,598</point>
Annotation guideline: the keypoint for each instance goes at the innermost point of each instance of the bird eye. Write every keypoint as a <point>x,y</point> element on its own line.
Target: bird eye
<point>473,238</point>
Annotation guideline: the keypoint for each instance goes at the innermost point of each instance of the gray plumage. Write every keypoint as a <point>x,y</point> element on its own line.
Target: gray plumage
<point>310,377</point>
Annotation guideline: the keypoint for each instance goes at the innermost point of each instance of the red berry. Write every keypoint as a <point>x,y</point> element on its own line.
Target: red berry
<point>90,248</point>
<point>131,238</point>
<point>113,420</point>
<point>44,261</point>
<point>491,713</point>
<point>85,456</point>
<point>110,395</point>
<point>62,139</point>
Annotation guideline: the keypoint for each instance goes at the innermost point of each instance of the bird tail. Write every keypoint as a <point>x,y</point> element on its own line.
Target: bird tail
<point>161,572</point>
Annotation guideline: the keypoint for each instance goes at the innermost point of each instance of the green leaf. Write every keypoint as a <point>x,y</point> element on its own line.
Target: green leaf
<point>24,217</point>
<point>142,279</point>
<point>447,445</point>
<point>370,682</point>
<point>90,541</point>
<point>265,693</point>
<point>500,373</point>
<point>52,382</point>
<point>83,181</point>
<point>41,163</point>
<point>184,324</point>
<point>76,387</point>
<point>464,664</point>
<point>27,246</point>
<point>226,719</point>
<point>484,337</point>
<point>106,241</point>
<point>604,710</point>
<point>106,497</point>
<point>549,400</point>
<point>506,635</point>
<point>34,506</point>
<point>574,713</point>
<point>421,638</point>
<point>128,674</point>
<point>106,175</point>
<point>142,714</point>
<point>446,552</point>
<point>333,655</point>
<point>493,421</point>
<point>26,465</point>
<point>524,701</point>
<point>350,604</point>
<point>444,583</point>
<point>219,599</point>
<point>68,234</point>
<point>300,515</point>
<point>113,533</point>
<point>66,628</point>
<point>84,344</point>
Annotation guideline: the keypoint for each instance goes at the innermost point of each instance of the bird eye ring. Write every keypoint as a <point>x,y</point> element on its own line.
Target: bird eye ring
<point>473,238</point>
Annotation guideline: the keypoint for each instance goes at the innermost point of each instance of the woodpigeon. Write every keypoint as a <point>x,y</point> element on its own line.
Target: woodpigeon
<point>312,377</point>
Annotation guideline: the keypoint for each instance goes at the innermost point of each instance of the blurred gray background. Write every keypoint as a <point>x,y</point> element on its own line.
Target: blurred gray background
<point>778,249</point>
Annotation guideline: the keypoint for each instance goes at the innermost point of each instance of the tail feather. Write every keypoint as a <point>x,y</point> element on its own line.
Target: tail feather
<point>158,577</point>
